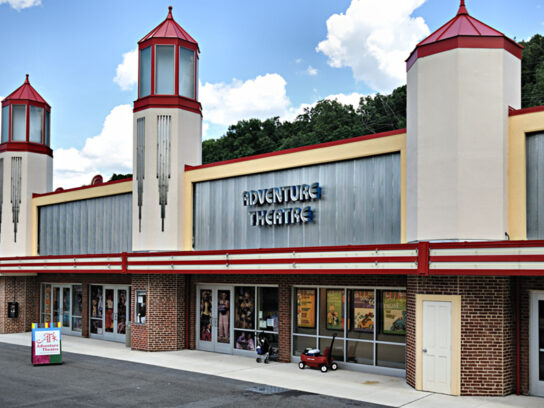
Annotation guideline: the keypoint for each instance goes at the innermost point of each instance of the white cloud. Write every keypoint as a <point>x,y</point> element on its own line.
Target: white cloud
<point>311,71</point>
<point>345,99</point>
<point>21,4</point>
<point>374,38</point>
<point>227,103</point>
<point>127,71</point>
<point>107,153</point>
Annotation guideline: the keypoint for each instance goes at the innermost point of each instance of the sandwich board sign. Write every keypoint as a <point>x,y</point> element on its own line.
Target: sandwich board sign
<point>46,344</point>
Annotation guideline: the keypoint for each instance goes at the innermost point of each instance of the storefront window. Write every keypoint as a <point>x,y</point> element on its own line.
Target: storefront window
<point>244,308</point>
<point>140,307</point>
<point>370,324</point>
<point>77,307</point>
<point>97,305</point>
<point>267,315</point>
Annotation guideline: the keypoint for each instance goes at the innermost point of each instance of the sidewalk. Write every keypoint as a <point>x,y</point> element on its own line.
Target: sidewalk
<point>354,385</point>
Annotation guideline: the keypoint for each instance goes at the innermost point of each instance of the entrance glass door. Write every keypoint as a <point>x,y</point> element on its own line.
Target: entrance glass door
<point>109,312</point>
<point>214,323</point>
<point>60,304</point>
<point>536,344</point>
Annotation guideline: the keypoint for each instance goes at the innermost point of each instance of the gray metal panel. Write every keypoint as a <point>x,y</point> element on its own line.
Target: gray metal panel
<point>535,186</point>
<point>360,204</point>
<point>94,226</point>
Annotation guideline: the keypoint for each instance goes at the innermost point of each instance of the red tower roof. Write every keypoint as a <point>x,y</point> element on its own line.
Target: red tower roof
<point>463,31</point>
<point>26,93</point>
<point>170,29</point>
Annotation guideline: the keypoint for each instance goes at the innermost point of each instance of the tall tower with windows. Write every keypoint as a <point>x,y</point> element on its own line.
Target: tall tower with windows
<point>167,134</point>
<point>26,166</point>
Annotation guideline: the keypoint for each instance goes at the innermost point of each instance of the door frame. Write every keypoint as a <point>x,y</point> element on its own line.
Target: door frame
<point>214,345</point>
<point>455,374</point>
<point>115,287</point>
<point>534,387</point>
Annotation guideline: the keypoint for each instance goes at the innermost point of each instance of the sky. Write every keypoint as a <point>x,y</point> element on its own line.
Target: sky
<point>257,59</point>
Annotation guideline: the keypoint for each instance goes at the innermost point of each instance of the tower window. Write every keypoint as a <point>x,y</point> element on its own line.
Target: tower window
<point>18,123</point>
<point>187,73</point>
<point>164,70</point>
<point>47,127</point>
<point>5,124</point>
<point>145,72</point>
<point>36,124</point>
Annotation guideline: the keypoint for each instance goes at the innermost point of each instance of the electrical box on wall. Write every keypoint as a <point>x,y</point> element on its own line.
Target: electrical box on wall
<point>13,310</point>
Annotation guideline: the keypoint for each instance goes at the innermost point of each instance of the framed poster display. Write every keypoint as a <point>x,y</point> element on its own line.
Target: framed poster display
<point>363,311</point>
<point>394,312</point>
<point>306,299</point>
<point>335,309</point>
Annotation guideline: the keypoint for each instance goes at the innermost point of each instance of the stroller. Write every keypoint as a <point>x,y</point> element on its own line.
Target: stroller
<point>265,351</point>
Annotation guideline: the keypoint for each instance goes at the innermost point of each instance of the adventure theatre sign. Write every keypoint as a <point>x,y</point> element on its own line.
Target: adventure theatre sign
<point>281,195</point>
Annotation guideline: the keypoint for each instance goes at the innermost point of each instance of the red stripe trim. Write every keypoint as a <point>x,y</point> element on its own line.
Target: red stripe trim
<point>166,102</point>
<point>533,109</point>
<point>487,272</point>
<point>299,149</point>
<point>281,272</point>
<point>464,42</point>
<point>44,264</point>
<point>487,244</point>
<point>26,147</point>
<point>488,258</point>
<point>75,189</point>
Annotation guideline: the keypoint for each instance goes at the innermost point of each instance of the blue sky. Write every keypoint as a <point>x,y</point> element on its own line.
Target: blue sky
<point>258,59</point>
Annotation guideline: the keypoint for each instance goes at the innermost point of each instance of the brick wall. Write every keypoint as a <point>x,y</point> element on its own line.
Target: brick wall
<point>22,290</point>
<point>164,328</point>
<point>487,330</point>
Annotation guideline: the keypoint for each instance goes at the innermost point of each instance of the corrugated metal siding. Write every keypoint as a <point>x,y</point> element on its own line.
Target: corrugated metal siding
<point>360,204</point>
<point>95,226</point>
<point>535,186</point>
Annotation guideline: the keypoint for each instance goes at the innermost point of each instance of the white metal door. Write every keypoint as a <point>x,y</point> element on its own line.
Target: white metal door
<point>437,346</point>
<point>214,319</point>
<point>536,344</point>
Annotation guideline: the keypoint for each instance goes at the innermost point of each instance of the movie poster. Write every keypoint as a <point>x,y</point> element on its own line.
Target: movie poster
<point>363,311</point>
<point>306,308</point>
<point>394,312</point>
<point>335,309</point>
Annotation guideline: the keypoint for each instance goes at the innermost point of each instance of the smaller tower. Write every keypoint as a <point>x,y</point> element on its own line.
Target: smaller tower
<point>167,134</point>
<point>461,81</point>
<point>26,166</point>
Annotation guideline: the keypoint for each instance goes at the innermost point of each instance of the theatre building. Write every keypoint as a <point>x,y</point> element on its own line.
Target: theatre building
<point>421,249</point>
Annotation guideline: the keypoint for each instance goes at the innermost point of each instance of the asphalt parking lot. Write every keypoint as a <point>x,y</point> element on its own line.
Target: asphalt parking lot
<point>87,381</point>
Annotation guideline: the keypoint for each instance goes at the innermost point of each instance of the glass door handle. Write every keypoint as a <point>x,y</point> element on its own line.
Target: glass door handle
<point>424,350</point>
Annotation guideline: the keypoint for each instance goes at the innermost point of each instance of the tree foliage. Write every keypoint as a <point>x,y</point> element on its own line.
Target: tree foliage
<point>532,72</point>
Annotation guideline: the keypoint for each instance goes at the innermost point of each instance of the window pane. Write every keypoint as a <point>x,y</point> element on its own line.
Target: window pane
<point>145,72</point>
<point>47,127</point>
<point>391,356</point>
<point>393,317</point>
<point>244,317</point>
<point>187,72</point>
<point>301,343</point>
<point>244,340</point>
<point>331,312</point>
<point>337,348</point>
<point>267,318</point>
<point>36,124</point>
<point>361,311</point>
<point>5,123</point>
<point>360,352</point>
<point>304,315</point>
<point>18,127</point>
<point>164,70</point>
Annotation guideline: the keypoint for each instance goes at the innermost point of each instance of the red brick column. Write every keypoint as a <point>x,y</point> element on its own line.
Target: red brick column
<point>23,290</point>
<point>85,310</point>
<point>284,335</point>
<point>164,328</point>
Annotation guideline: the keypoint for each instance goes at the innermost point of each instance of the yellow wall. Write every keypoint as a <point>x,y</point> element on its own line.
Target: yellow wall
<point>520,125</point>
<point>74,195</point>
<point>344,151</point>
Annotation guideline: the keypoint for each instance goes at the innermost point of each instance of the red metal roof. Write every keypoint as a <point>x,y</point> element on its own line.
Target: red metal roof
<point>169,29</point>
<point>469,32</point>
<point>26,92</point>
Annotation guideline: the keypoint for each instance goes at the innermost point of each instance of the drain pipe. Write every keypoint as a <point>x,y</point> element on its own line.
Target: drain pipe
<point>518,337</point>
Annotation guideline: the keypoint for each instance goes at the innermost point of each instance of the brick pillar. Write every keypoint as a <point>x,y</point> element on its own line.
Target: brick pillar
<point>23,290</point>
<point>164,329</point>
<point>284,336</point>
